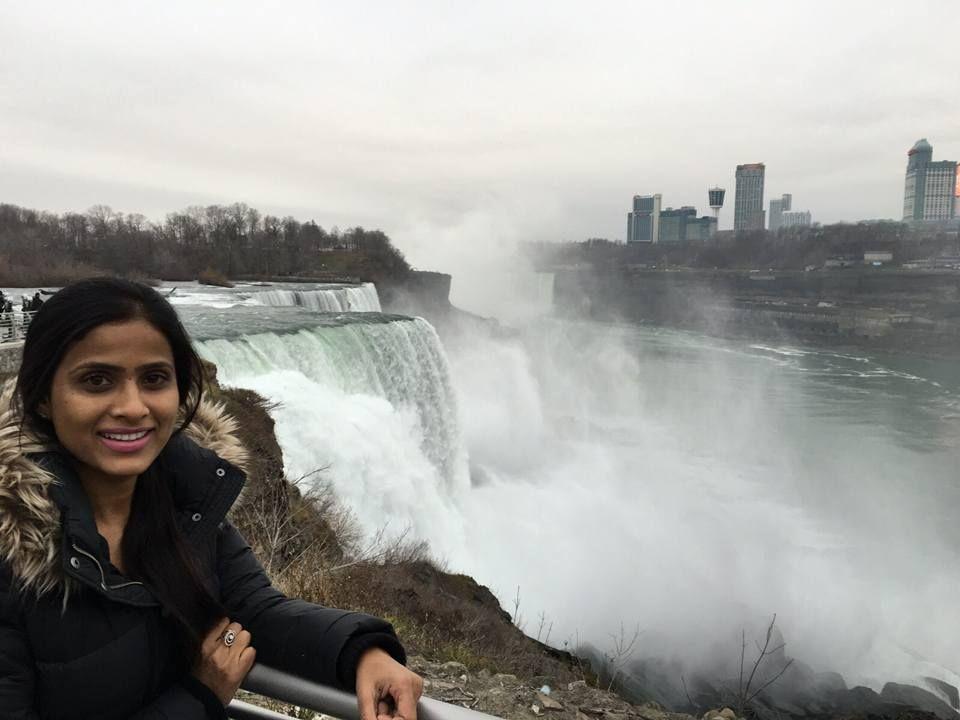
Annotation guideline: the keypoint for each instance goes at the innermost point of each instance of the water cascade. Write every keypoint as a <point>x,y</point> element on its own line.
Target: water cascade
<point>372,405</point>
<point>344,298</point>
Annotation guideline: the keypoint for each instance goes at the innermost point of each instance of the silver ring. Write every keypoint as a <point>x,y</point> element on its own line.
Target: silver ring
<point>229,638</point>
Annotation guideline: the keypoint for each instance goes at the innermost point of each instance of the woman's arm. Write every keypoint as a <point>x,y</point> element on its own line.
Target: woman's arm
<point>314,642</point>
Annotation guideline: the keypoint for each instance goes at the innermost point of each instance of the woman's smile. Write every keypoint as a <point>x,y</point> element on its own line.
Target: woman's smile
<point>126,441</point>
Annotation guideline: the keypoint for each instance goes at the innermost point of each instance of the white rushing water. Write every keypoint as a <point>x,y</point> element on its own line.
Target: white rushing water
<point>371,405</point>
<point>319,298</point>
<point>362,298</point>
<point>679,483</point>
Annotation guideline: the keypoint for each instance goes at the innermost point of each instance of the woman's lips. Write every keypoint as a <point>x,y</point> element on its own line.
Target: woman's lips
<point>128,441</point>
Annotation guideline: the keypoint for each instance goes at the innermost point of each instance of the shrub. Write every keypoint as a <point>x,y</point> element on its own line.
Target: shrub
<point>213,277</point>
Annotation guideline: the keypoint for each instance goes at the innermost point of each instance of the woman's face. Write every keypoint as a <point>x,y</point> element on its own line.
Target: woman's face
<point>114,400</point>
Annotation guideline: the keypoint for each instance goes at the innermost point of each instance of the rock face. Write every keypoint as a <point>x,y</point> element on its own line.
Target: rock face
<point>948,690</point>
<point>918,698</point>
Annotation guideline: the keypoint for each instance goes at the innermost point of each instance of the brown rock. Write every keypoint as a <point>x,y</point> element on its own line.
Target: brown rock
<point>548,703</point>
<point>453,668</point>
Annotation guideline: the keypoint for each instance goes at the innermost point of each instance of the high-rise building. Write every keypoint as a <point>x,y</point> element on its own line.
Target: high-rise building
<point>777,208</point>
<point>930,188</point>
<point>683,225</point>
<point>748,202</point>
<point>643,224</point>
<point>673,223</point>
<point>701,229</point>
<point>795,218</point>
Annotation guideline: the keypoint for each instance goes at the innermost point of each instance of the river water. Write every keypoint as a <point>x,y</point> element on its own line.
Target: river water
<point>610,475</point>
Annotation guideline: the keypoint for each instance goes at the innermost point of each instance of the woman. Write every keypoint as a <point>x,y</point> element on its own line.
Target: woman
<point>125,592</point>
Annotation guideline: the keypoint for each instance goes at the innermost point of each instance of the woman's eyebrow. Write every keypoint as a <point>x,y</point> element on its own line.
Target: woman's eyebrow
<point>107,367</point>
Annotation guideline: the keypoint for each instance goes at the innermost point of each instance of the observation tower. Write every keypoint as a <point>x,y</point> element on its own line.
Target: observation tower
<point>716,196</point>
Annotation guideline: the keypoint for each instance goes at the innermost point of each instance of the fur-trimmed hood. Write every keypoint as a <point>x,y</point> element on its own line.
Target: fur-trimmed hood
<point>31,523</point>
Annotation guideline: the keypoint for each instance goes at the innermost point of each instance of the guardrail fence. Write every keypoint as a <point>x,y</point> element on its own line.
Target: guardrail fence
<point>14,324</point>
<point>328,701</point>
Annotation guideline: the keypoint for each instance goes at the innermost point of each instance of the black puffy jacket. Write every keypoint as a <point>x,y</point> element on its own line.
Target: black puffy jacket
<point>78,641</point>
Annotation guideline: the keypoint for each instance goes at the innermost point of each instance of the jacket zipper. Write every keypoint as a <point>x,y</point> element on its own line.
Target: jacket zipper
<point>103,577</point>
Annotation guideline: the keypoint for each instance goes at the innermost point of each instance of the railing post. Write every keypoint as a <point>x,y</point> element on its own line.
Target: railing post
<point>289,688</point>
<point>239,710</point>
<point>14,324</point>
<point>329,701</point>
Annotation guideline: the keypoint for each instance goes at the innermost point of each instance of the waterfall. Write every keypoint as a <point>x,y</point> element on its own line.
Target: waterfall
<point>357,298</point>
<point>369,403</point>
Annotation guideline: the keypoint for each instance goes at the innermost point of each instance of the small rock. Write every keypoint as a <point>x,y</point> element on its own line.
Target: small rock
<point>577,685</point>
<point>548,702</point>
<point>438,686</point>
<point>453,668</point>
<point>535,708</point>
<point>505,679</point>
<point>825,682</point>
<point>728,714</point>
<point>484,674</point>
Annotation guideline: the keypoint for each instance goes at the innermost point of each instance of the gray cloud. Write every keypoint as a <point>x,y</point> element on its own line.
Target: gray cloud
<point>426,119</point>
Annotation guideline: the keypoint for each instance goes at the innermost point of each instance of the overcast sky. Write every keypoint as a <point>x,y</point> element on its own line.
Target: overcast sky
<point>461,127</point>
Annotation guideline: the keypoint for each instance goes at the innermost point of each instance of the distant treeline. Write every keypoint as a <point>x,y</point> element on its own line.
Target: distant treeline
<point>793,248</point>
<point>43,248</point>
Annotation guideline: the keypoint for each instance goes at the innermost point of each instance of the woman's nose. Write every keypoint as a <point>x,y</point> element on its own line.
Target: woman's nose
<point>129,401</point>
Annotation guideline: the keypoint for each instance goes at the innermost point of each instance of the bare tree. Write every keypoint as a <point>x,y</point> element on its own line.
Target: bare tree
<point>620,653</point>
<point>744,695</point>
<point>549,627</point>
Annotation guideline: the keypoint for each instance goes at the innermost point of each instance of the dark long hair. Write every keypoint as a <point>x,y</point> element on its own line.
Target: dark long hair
<point>154,550</point>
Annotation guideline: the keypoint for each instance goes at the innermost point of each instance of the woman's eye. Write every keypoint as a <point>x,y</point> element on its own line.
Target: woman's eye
<point>157,379</point>
<point>96,381</point>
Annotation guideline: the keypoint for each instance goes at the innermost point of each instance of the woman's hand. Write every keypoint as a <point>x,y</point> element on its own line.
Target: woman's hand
<point>223,667</point>
<point>386,690</point>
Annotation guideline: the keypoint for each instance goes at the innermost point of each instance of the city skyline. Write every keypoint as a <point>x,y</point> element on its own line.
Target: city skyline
<point>461,131</point>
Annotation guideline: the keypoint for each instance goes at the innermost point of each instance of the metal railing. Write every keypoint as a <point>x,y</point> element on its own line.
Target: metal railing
<point>326,700</point>
<point>14,324</point>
